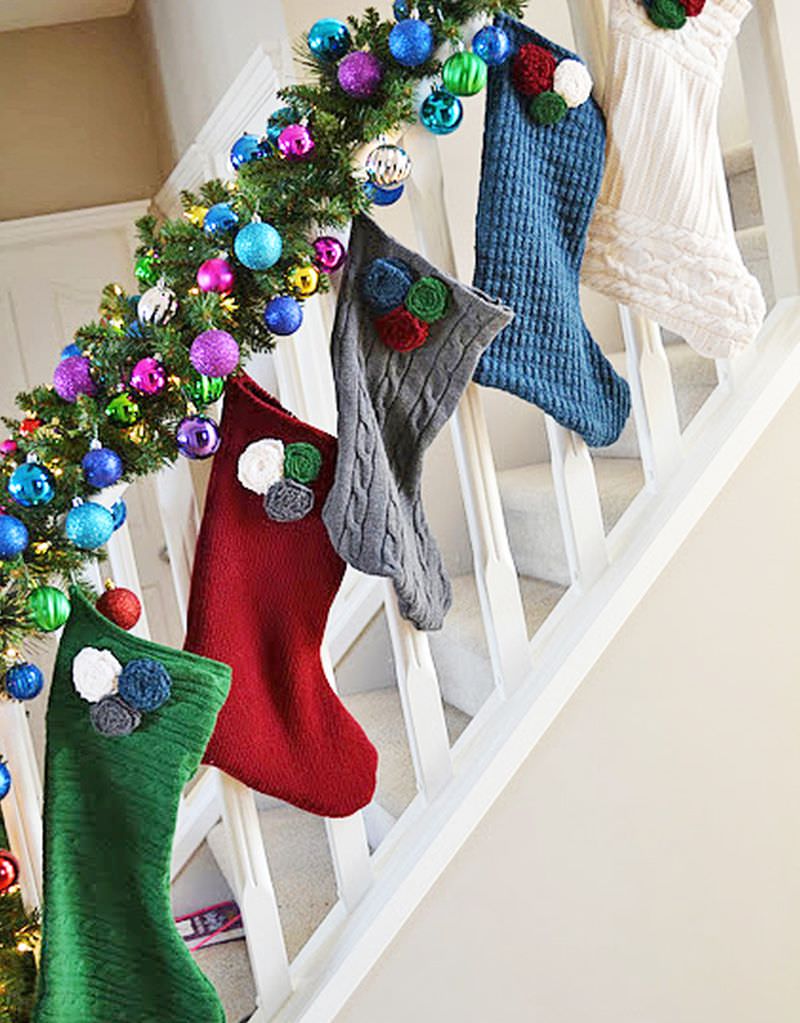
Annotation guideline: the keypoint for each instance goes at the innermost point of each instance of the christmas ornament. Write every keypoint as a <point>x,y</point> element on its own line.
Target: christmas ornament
<point>329,39</point>
<point>8,447</point>
<point>216,275</point>
<point>296,143</point>
<point>123,410</point>
<point>258,246</point>
<point>5,779</point>
<point>24,681</point>
<point>492,45</point>
<point>464,73</point>
<point>360,74</point>
<point>388,165</point>
<point>383,196</point>
<point>146,268</point>
<point>9,870</point>
<point>203,390</point>
<point>101,466</point>
<point>72,378</point>
<point>48,608</point>
<point>138,434</point>
<point>32,485</point>
<point>69,350</point>
<point>119,513</point>
<point>29,425</point>
<point>120,606</point>
<point>303,281</point>
<point>89,525</point>
<point>401,9</point>
<point>220,218</point>
<point>411,42</point>
<point>245,149</point>
<point>157,305</point>
<point>198,437</point>
<point>148,376</point>
<point>13,537</point>
<point>214,353</point>
<point>278,120</point>
<point>196,215</point>
<point>283,315</point>
<point>441,112</point>
<point>329,253</point>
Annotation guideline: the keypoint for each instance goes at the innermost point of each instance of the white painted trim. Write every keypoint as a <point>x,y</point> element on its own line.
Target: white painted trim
<point>50,226</point>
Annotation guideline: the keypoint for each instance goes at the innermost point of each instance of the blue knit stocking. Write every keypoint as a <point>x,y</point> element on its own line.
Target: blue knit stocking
<point>539,184</point>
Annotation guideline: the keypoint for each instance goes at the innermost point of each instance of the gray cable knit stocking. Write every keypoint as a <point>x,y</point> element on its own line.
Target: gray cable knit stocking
<point>405,344</point>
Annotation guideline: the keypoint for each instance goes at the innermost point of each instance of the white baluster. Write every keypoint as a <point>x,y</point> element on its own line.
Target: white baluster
<point>197,815</point>
<point>179,519</point>
<point>22,807</point>
<point>122,559</point>
<point>589,27</point>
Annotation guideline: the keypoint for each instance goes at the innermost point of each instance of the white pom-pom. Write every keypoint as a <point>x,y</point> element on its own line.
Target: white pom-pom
<point>572,82</point>
<point>261,465</point>
<point>95,673</point>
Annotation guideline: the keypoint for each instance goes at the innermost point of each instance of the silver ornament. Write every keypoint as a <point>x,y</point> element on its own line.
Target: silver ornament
<point>157,305</point>
<point>388,165</point>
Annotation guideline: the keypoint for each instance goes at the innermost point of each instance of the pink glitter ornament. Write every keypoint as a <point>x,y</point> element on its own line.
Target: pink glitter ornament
<point>148,376</point>
<point>296,143</point>
<point>216,275</point>
<point>329,253</point>
<point>214,353</point>
<point>360,74</point>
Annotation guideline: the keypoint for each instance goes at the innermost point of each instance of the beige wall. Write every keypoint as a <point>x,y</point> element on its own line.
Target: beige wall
<point>642,867</point>
<point>75,118</point>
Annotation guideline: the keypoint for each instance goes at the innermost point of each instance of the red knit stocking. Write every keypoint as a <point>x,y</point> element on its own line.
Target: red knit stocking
<point>265,576</point>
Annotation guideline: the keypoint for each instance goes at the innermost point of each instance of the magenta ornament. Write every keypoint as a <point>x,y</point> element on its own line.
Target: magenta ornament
<point>216,275</point>
<point>197,437</point>
<point>360,74</point>
<point>148,376</point>
<point>8,447</point>
<point>72,377</point>
<point>214,353</point>
<point>329,253</point>
<point>296,143</point>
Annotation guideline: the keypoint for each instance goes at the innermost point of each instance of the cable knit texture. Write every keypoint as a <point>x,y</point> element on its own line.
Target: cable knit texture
<point>111,951</point>
<point>391,405</point>
<point>264,579</point>
<point>662,240</point>
<point>539,184</point>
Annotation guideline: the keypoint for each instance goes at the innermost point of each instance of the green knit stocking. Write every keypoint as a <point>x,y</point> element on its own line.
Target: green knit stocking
<point>111,952</point>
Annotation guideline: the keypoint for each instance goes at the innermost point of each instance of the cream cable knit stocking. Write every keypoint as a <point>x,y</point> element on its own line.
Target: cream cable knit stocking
<point>662,239</point>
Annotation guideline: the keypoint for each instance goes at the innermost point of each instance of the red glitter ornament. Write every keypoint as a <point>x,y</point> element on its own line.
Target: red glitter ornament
<point>533,70</point>
<point>401,330</point>
<point>120,606</point>
<point>9,871</point>
<point>29,426</point>
<point>693,7</point>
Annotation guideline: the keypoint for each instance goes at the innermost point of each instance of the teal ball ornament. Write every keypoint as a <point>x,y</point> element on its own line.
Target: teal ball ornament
<point>89,525</point>
<point>244,150</point>
<point>280,119</point>
<point>119,513</point>
<point>5,779</point>
<point>283,315</point>
<point>32,485</point>
<point>411,42</point>
<point>24,681</point>
<point>329,39</point>
<point>258,246</point>
<point>492,45</point>
<point>219,219</point>
<point>441,112</point>
<point>13,537</point>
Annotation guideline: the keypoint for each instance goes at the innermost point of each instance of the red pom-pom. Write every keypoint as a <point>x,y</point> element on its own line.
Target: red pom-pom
<point>120,606</point>
<point>401,330</point>
<point>693,7</point>
<point>9,871</point>
<point>533,70</point>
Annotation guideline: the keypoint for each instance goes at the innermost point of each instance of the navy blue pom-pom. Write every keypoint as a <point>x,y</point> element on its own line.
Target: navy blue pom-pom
<point>145,684</point>
<point>385,284</point>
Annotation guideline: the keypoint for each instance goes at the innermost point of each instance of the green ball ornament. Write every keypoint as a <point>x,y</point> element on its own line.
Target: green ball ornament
<point>202,390</point>
<point>464,74</point>
<point>146,269</point>
<point>123,410</point>
<point>548,108</point>
<point>48,608</point>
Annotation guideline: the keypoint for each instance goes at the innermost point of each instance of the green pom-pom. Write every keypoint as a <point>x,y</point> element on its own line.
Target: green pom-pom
<point>667,13</point>
<point>302,462</point>
<point>548,108</point>
<point>428,299</point>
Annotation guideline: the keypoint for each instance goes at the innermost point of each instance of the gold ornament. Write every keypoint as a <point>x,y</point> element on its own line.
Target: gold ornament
<point>196,215</point>
<point>230,305</point>
<point>303,281</point>
<point>138,433</point>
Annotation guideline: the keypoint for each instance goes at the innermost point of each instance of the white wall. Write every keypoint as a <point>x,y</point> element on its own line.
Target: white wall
<point>642,865</point>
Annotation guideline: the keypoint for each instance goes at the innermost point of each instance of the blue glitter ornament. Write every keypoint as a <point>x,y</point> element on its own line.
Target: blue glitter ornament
<point>145,684</point>
<point>329,39</point>
<point>69,350</point>
<point>245,149</point>
<point>492,45</point>
<point>280,119</point>
<point>89,525</point>
<point>258,246</point>
<point>32,485</point>
<point>13,537</point>
<point>411,42</point>
<point>102,467</point>
<point>220,218</point>
<point>119,513</point>
<point>383,196</point>
<point>283,315</point>
<point>441,112</point>
<point>24,681</point>
<point>5,779</point>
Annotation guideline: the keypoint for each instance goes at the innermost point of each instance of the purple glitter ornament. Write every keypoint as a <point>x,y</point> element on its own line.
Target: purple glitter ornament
<point>72,377</point>
<point>148,376</point>
<point>216,275</point>
<point>197,437</point>
<point>329,253</point>
<point>360,74</point>
<point>8,447</point>
<point>296,143</point>
<point>214,353</point>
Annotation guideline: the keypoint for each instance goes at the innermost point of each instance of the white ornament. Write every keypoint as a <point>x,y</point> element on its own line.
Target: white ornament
<point>261,465</point>
<point>388,165</point>
<point>95,673</point>
<point>157,305</point>
<point>572,82</point>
